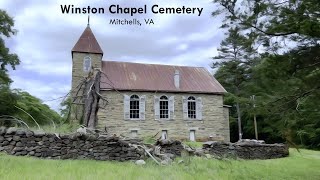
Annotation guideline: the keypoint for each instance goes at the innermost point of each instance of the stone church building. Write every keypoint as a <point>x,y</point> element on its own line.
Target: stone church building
<point>146,100</point>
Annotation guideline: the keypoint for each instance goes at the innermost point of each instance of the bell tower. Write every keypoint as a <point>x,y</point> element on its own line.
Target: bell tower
<point>86,55</point>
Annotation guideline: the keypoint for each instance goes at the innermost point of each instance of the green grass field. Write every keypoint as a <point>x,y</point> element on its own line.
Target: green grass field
<point>298,166</point>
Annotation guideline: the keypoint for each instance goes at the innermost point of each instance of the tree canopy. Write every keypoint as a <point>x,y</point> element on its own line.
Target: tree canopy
<point>17,104</point>
<point>283,73</point>
<point>6,58</point>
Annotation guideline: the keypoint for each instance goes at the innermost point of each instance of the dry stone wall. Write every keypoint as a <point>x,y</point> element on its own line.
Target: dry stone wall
<point>170,146</point>
<point>76,146</point>
<point>21,142</point>
<point>246,150</point>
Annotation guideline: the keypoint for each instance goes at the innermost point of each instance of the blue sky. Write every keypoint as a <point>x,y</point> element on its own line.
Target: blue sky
<point>46,36</point>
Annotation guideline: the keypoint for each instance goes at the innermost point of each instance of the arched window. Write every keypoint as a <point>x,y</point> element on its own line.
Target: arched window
<point>192,107</point>
<point>134,107</point>
<point>86,64</point>
<point>164,107</point>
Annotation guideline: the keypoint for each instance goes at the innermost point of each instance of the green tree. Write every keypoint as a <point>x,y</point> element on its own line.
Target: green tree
<point>34,106</point>
<point>235,58</point>
<point>290,85</point>
<point>286,77</point>
<point>7,98</point>
<point>65,109</point>
<point>18,103</point>
<point>271,22</point>
<point>6,58</point>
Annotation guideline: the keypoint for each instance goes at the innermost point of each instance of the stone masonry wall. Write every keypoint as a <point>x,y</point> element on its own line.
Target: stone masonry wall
<point>78,75</point>
<point>170,146</point>
<point>214,122</point>
<point>77,66</point>
<point>246,150</point>
<point>76,146</point>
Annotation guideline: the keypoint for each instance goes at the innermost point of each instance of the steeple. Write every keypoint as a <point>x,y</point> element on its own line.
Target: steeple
<point>88,21</point>
<point>87,43</point>
<point>86,59</point>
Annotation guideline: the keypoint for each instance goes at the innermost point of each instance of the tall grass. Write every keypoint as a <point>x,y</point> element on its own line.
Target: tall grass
<point>63,128</point>
<point>297,166</point>
<point>193,144</point>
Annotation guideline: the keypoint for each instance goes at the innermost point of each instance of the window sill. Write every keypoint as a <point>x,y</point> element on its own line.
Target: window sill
<point>161,120</point>
<point>134,119</point>
<point>193,119</point>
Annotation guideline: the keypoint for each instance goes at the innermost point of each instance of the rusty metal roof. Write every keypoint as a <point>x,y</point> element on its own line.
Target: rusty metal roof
<point>156,77</point>
<point>87,43</point>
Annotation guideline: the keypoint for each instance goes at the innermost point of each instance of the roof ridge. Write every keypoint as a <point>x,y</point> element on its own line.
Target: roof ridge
<point>134,76</point>
<point>152,64</point>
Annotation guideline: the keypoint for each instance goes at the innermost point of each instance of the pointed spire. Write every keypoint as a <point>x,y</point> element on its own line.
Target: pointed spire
<point>88,21</point>
<point>87,43</point>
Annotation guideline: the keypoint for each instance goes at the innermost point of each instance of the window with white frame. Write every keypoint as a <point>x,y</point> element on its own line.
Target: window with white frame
<point>164,107</point>
<point>192,111</point>
<point>134,107</point>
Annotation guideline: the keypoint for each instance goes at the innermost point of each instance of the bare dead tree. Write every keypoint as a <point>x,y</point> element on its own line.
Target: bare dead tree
<point>91,100</point>
<point>87,96</point>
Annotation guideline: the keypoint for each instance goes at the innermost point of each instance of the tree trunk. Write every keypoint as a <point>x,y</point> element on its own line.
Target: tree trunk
<point>238,113</point>
<point>91,101</point>
<point>239,121</point>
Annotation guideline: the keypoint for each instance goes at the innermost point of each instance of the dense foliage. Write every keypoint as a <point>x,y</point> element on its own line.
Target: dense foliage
<point>6,58</point>
<point>281,68</point>
<point>17,104</point>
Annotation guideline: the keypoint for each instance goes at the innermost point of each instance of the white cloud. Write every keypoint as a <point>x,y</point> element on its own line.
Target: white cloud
<point>196,57</point>
<point>182,47</point>
<point>46,91</point>
<point>46,37</point>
